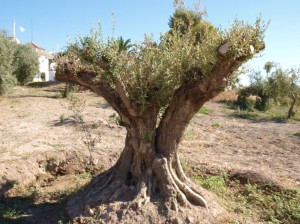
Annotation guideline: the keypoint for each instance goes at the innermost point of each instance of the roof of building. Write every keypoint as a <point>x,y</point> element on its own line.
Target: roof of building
<point>37,46</point>
<point>41,51</point>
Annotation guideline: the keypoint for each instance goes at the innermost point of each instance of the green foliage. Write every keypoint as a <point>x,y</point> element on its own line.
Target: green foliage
<point>217,125</point>
<point>77,105</point>
<point>279,206</point>
<point>123,45</point>
<point>245,104</point>
<point>246,115</point>
<point>18,63</point>
<point>150,72</point>
<point>268,66</point>
<point>277,88</point>
<point>245,39</point>
<point>184,19</point>
<point>69,88</point>
<point>258,89</point>
<point>216,184</point>
<point>205,111</point>
<point>62,118</point>
<point>7,49</point>
<point>26,64</point>
<point>11,212</point>
<point>276,114</point>
<point>253,203</point>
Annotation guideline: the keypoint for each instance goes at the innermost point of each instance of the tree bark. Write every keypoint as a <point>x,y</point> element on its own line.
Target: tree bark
<point>291,111</point>
<point>141,174</point>
<point>149,167</point>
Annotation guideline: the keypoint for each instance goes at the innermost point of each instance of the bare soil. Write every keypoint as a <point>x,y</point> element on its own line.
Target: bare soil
<point>41,146</point>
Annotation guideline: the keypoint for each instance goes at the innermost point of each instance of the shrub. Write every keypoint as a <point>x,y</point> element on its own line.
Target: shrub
<point>7,48</point>
<point>26,64</point>
<point>18,63</point>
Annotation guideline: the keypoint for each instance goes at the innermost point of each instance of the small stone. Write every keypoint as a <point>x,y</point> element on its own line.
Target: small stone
<point>95,161</point>
<point>190,220</point>
<point>177,221</point>
<point>91,212</point>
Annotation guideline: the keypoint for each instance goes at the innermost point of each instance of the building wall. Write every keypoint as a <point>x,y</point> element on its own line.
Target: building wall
<point>52,72</point>
<point>43,68</point>
<point>43,63</point>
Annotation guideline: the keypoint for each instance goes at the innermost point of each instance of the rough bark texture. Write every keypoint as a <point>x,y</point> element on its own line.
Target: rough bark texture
<point>291,111</point>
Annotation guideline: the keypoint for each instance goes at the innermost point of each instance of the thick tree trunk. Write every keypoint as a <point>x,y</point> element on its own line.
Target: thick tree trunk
<point>291,111</point>
<point>149,168</point>
<point>142,174</point>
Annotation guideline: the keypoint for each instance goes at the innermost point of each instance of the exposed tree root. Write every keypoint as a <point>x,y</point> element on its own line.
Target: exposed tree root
<point>168,177</point>
<point>163,185</point>
<point>191,195</point>
<point>179,170</point>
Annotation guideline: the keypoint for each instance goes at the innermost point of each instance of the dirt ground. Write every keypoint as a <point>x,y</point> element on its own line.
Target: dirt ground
<point>38,135</point>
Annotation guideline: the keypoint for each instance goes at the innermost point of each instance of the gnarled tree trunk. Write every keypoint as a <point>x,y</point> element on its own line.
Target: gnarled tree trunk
<point>149,168</point>
<point>145,171</point>
<point>291,111</point>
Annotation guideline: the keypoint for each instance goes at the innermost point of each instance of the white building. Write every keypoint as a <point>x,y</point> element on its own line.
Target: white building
<point>52,71</point>
<point>44,67</point>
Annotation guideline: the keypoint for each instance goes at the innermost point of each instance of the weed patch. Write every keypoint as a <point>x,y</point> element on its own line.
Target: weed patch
<point>216,184</point>
<point>205,111</point>
<point>297,134</point>
<point>253,203</point>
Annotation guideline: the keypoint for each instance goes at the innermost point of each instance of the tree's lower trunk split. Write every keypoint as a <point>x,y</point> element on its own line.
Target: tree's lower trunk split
<point>139,179</point>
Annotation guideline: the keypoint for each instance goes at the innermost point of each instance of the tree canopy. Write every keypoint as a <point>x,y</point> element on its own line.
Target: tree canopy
<point>7,49</point>
<point>278,87</point>
<point>151,72</point>
<point>18,63</point>
<point>26,64</point>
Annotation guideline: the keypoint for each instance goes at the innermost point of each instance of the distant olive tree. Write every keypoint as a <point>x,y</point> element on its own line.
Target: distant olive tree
<point>294,91</point>
<point>18,63</point>
<point>279,87</point>
<point>7,49</point>
<point>259,89</point>
<point>26,64</point>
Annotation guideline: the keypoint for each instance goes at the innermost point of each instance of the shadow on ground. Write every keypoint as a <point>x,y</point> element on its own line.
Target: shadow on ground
<point>24,210</point>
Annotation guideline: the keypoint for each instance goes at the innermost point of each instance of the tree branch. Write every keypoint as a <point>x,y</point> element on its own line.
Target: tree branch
<point>124,98</point>
<point>186,102</point>
<point>68,73</point>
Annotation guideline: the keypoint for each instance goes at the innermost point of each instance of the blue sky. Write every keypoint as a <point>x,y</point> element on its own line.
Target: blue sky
<point>51,24</point>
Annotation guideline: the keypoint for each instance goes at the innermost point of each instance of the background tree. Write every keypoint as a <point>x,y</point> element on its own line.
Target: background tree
<point>293,91</point>
<point>175,78</point>
<point>259,88</point>
<point>268,66</point>
<point>280,88</point>
<point>7,49</point>
<point>123,45</point>
<point>18,63</point>
<point>26,64</point>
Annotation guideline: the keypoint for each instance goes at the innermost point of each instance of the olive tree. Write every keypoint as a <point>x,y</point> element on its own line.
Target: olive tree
<point>157,88</point>
<point>26,64</point>
<point>279,87</point>
<point>7,49</point>
<point>18,63</point>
